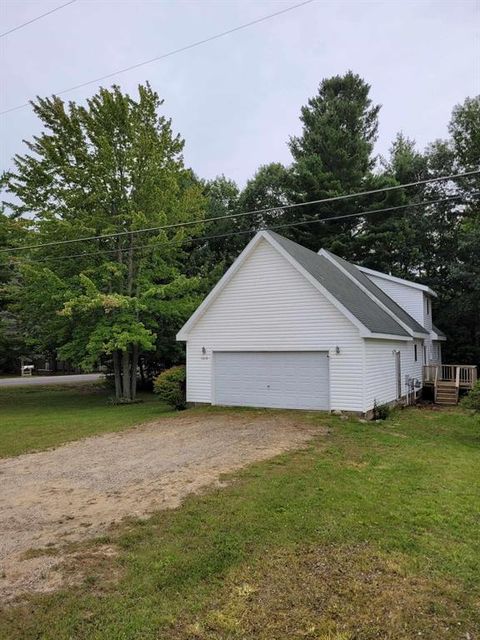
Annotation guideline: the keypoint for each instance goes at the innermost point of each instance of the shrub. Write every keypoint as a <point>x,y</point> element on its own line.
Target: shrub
<point>170,386</point>
<point>472,399</point>
<point>380,411</point>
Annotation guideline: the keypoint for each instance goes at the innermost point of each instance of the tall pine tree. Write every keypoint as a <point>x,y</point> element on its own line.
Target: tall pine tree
<point>396,241</point>
<point>333,156</point>
<point>455,235</point>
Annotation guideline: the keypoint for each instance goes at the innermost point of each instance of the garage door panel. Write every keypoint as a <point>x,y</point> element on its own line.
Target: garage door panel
<point>290,380</point>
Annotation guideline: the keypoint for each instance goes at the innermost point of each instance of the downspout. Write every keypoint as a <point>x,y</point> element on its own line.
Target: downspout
<point>364,373</point>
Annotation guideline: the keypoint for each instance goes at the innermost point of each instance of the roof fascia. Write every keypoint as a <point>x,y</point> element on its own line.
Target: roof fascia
<point>437,337</point>
<point>389,336</point>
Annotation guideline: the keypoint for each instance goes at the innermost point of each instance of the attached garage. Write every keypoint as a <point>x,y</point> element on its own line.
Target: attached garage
<point>279,379</point>
<point>289,328</point>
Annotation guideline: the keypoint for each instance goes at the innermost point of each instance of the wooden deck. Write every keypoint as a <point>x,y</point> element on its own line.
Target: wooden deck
<point>448,379</point>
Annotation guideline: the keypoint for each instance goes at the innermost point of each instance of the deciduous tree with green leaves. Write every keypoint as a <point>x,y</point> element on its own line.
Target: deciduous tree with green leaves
<point>106,169</point>
<point>209,256</point>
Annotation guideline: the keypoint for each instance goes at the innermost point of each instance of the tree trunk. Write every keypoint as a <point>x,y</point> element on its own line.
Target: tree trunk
<point>142,372</point>
<point>130,275</point>
<point>126,373</point>
<point>133,373</point>
<point>117,373</point>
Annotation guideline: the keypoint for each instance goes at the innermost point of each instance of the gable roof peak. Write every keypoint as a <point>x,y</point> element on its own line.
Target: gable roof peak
<point>333,277</point>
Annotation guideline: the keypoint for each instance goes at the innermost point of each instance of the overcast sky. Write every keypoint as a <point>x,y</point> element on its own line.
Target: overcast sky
<point>236,100</point>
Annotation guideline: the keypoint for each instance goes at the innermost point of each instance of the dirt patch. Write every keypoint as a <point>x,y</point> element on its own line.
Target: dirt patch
<point>348,592</point>
<point>53,498</point>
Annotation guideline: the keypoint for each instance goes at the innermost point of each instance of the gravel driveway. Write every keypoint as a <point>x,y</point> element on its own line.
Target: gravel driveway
<point>79,489</point>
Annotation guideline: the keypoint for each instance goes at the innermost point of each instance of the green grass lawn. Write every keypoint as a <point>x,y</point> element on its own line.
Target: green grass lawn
<point>372,532</point>
<point>34,418</point>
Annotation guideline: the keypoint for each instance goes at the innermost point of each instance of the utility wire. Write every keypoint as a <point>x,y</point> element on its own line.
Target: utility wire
<point>241,214</point>
<point>198,43</point>
<point>43,15</point>
<point>253,231</point>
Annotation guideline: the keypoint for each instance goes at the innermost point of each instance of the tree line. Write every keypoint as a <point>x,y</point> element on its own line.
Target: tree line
<point>114,166</point>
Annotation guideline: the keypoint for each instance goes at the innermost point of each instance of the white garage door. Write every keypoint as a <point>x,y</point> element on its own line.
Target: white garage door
<point>282,379</point>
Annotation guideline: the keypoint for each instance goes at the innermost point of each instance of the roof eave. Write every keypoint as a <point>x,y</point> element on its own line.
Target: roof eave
<point>388,336</point>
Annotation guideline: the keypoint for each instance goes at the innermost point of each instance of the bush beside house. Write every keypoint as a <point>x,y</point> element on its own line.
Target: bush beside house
<point>472,399</point>
<point>170,386</point>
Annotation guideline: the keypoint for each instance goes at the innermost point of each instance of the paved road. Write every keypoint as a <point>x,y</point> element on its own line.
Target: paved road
<point>44,380</point>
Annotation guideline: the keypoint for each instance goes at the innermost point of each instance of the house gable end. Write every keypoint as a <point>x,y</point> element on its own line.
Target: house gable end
<point>395,279</point>
<point>266,296</point>
<point>237,266</point>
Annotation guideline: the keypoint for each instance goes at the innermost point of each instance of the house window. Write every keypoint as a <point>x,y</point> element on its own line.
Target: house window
<point>428,306</point>
<point>416,352</point>
<point>424,355</point>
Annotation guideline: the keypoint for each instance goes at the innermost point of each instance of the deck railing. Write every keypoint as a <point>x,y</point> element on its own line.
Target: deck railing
<point>463,375</point>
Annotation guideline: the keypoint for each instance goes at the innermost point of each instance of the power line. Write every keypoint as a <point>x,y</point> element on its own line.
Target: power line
<point>252,231</point>
<point>43,15</point>
<point>198,43</point>
<point>243,213</point>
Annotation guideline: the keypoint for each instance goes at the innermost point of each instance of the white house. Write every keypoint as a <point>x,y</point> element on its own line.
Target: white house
<point>289,328</point>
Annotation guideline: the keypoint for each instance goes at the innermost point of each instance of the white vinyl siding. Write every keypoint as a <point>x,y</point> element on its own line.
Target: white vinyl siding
<point>436,352</point>
<point>284,379</point>
<point>269,306</point>
<point>380,379</point>
<point>409,298</point>
<point>427,312</point>
<point>415,302</point>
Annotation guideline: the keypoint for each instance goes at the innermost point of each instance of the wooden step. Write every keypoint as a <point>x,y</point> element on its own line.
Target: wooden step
<point>446,394</point>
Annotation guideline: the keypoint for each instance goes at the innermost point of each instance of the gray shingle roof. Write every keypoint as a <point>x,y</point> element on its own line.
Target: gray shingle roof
<point>343,288</point>
<point>384,298</point>
<point>438,331</point>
